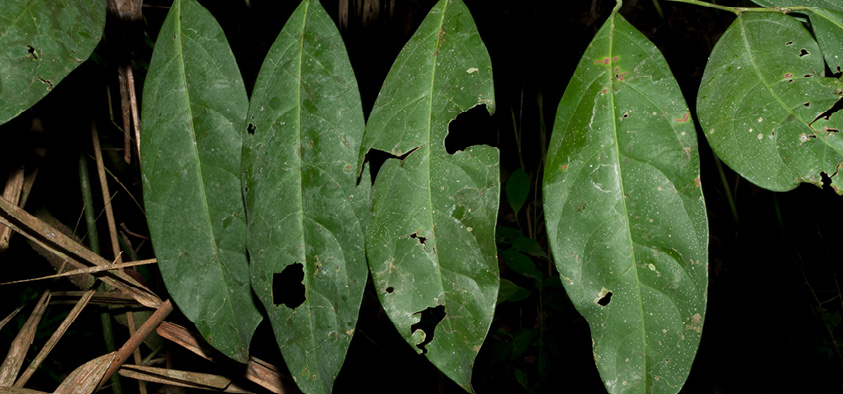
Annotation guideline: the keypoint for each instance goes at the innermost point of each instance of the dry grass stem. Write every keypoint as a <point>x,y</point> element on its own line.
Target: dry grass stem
<point>10,316</point>
<point>12,192</point>
<point>17,351</point>
<point>54,339</point>
<point>107,298</point>
<point>83,380</point>
<point>87,270</point>
<point>51,239</point>
<point>194,380</point>
<point>130,322</point>
<point>258,371</point>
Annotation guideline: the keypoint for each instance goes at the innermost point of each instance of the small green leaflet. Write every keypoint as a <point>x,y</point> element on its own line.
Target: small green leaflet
<point>41,41</point>
<point>763,104</point>
<point>307,212</point>
<point>194,103</point>
<point>431,235</point>
<point>625,214</point>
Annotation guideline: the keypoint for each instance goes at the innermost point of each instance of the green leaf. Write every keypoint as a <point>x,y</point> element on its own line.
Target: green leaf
<point>762,90</point>
<point>306,211</point>
<point>522,340</point>
<point>528,246</point>
<point>521,264</point>
<point>517,189</point>
<point>625,213</point>
<point>828,28</point>
<point>835,4</point>
<point>431,236</point>
<point>41,41</point>
<point>194,104</point>
<point>511,292</point>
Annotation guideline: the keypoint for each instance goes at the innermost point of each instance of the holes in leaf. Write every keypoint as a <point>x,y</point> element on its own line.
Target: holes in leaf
<point>604,297</point>
<point>789,43</point>
<point>377,158</point>
<point>430,318</point>
<point>418,237</point>
<point>32,51</point>
<point>827,114</point>
<point>473,127</point>
<point>287,287</point>
<point>46,82</point>
<point>807,105</point>
<point>803,52</point>
<point>251,129</point>
<point>390,289</point>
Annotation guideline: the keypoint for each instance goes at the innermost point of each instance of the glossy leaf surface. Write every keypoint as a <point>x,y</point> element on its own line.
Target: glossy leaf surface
<point>431,236</point>
<point>625,214</point>
<point>41,41</point>
<point>306,210</point>
<point>828,28</point>
<point>760,99</point>
<point>194,104</point>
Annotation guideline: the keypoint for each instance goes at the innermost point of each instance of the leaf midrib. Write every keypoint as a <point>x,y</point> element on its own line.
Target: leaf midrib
<point>634,266</point>
<point>300,162</point>
<point>446,320</point>
<point>217,257</point>
<point>772,92</point>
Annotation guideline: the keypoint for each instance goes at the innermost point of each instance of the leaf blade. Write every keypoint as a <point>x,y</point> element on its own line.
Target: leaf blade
<point>762,90</point>
<point>430,238</point>
<point>302,198</point>
<point>625,213</point>
<point>33,59</point>
<point>194,103</point>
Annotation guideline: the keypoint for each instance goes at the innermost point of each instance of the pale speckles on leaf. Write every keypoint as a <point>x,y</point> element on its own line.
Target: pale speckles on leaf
<point>610,223</point>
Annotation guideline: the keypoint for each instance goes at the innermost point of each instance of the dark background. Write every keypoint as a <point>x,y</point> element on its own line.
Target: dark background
<point>774,296</point>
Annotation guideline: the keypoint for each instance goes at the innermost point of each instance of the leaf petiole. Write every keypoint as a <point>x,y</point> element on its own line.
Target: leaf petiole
<point>739,10</point>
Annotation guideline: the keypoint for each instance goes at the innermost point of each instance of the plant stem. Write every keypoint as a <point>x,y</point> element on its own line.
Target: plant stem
<point>727,190</point>
<point>94,244</point>
<point>740,10</point>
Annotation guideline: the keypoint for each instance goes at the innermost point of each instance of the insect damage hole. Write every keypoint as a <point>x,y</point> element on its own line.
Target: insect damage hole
<point>251,129</point>
<point>287,287</point>
<point>803,52</point>
<point>604,297</point>
<point>32,51</point>
<point>430,318</point>
<point>377,158</point>
<point>473,127</point>
<point>416,236</point>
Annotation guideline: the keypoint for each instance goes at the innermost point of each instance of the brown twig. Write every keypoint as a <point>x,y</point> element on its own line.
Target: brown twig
<point>133,104</point>
<point>126,111</point>
<point>130,321</point>
<point>135,340</point>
